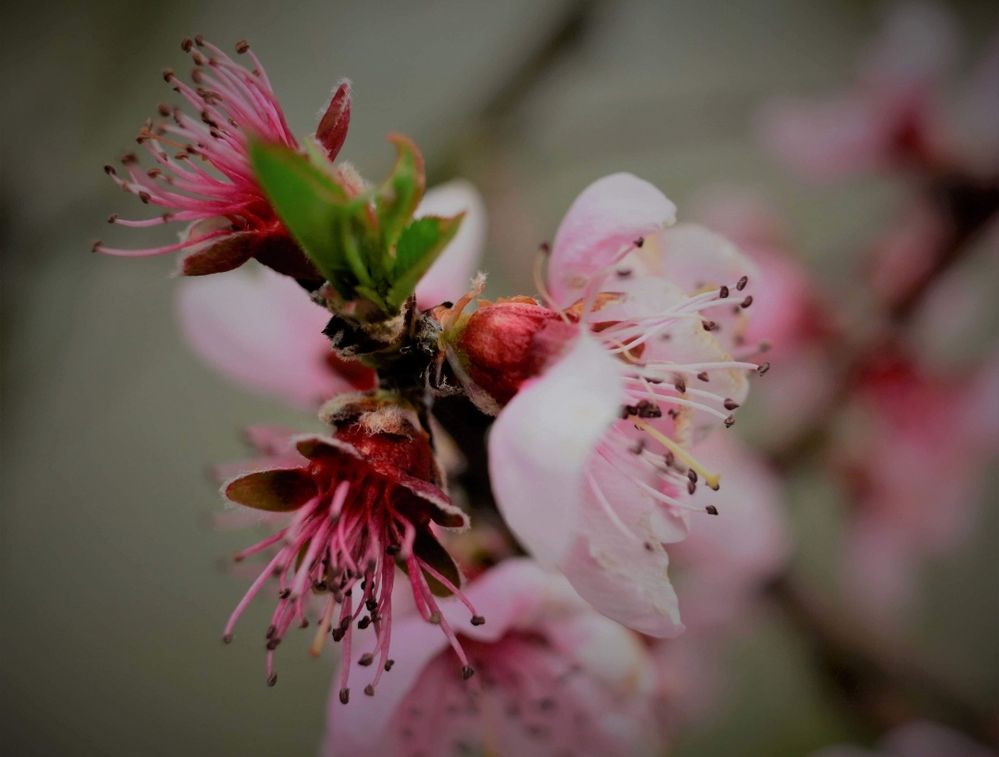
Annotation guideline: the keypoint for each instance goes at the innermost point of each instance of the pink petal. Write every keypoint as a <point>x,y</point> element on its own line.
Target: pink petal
<point>449,276</point>
<point>540,444</point>
<point>600,227</point>
<point>260,330</point>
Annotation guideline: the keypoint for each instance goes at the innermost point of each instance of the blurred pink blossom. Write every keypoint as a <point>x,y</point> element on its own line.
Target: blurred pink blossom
<point>602,435</point>
<point>915,739</point>
<point>903,111</point>
<point>912,453</point>
<point>552,677</point>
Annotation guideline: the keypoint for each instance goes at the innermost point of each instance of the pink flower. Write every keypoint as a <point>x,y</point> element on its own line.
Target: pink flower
<point>201,172</point>
<point>262,331</point>
<point>359,502</point>
<point>590,460</point>
<point>894,115</point>
<point>552,677</point>
<point>912,454</point>
<point>915,739</point>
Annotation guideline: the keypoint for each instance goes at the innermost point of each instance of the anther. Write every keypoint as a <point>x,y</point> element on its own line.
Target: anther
<point>545,247</point>
<point>272,679</point>
<point>680,385</point>
<point>741,284</point>
<point>388,665</point>
<point>393,549</point>
<point>623,273</point>
<point>371,605</point>
<point>242,46</point>
<point>746,302</point>
<point>199,40</point>
<point>227,638</point>
<point>369,690</point>
<point>364,622</point>
<point>284,594</point>
<point>366,659</point>
<point>639,242</point>
<point>112,218</point>
<point>186,44</point>
<point>271,630</point>
<point>109,170</point>
<point>145,197</point>
<point>723,292</point>
<point>478,620</point>
<point>711,510</point>
<point>763,368</point>
<point>729,421</point>
<point>467,672</point>
<point>692,475</point>
<point>344,696</point>
<point>710,325</point>
<point>691,487</point>
<point>703,376</point>
<point>730,404</point>
<point>96,245</point>
<point>168,75</point>
<point>273,644</point>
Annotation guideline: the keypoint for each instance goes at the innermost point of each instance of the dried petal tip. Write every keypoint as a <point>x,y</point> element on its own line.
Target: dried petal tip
<point>344,696</point>
<point>467,672</point>
<point>478,620</point>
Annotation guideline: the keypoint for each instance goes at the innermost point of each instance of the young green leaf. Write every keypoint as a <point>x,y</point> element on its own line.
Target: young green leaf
<point>308,201</point>
<point>419,245</point>
<point>400,194</point>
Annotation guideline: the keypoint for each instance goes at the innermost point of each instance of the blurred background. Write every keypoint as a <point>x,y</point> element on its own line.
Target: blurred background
<point>113,587</point>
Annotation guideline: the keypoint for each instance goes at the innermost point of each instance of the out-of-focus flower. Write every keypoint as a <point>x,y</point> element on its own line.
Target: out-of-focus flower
<point>911,452</point>
<point>360,501</point>
<point>916,739</point>
<point>262,331</point>
<point>552,677</point>
<point>201,172</point>
<point>611,390</point>
<point>900,112</point>
<point>723,566</point>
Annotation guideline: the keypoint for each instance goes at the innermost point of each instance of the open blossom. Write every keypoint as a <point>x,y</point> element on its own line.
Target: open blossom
<point>912,454</point>
<point>359,502</point>
<point>201,174</point>
<point>590,459</point>
<point>552,677</point>
<point>901,112</point>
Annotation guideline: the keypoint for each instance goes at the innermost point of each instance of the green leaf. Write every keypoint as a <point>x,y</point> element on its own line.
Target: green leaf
<point>397,198</point>
<point>310,203</point>
<point>419,245</point>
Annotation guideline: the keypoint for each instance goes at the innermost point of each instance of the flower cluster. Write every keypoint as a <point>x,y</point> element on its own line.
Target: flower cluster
<point>601,389</point>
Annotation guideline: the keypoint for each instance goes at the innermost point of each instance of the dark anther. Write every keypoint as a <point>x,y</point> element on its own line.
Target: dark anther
<point>639,242</point>
<point>545,247</point>
<point>186,44</point>
<point>199,40</point>
<point>763,368</point>
<point>227,639</point>
<point>369,690</point>
<point>710,325</point>
<point>338,634</point>
<point>648,547</point>
<point>145,197</point>
<point>388,665</point>
<point>623,273</point>
<point>723,292</point>
<point>344,696</point>
<point>447,304</point>
<point>242,46</point>
<point>711,510</point>
<point>478,620</point>
<point>366,659</point>
<point>284,594</point>
<point>467,672</point>
<point>109,170</point>
<point>364,622</point>
<point>304,623</point>
<point>627,411</point>
<point>272,679</point>
<point>746,302</point>
<point>673,413</point>
<point>680,385</point>
<point>112,218</point>
<point>168,74</point>
<point>648,409</point>
<point>703,376</point>
<point>393,549</point>
<point>371,605</point>
<point>692,475</point>
<point>741,284</point>
<point>729,421</point>
<point>272,644</point>
<point>730,404</point>
<point>271,630</point>
<point>691,487</point>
